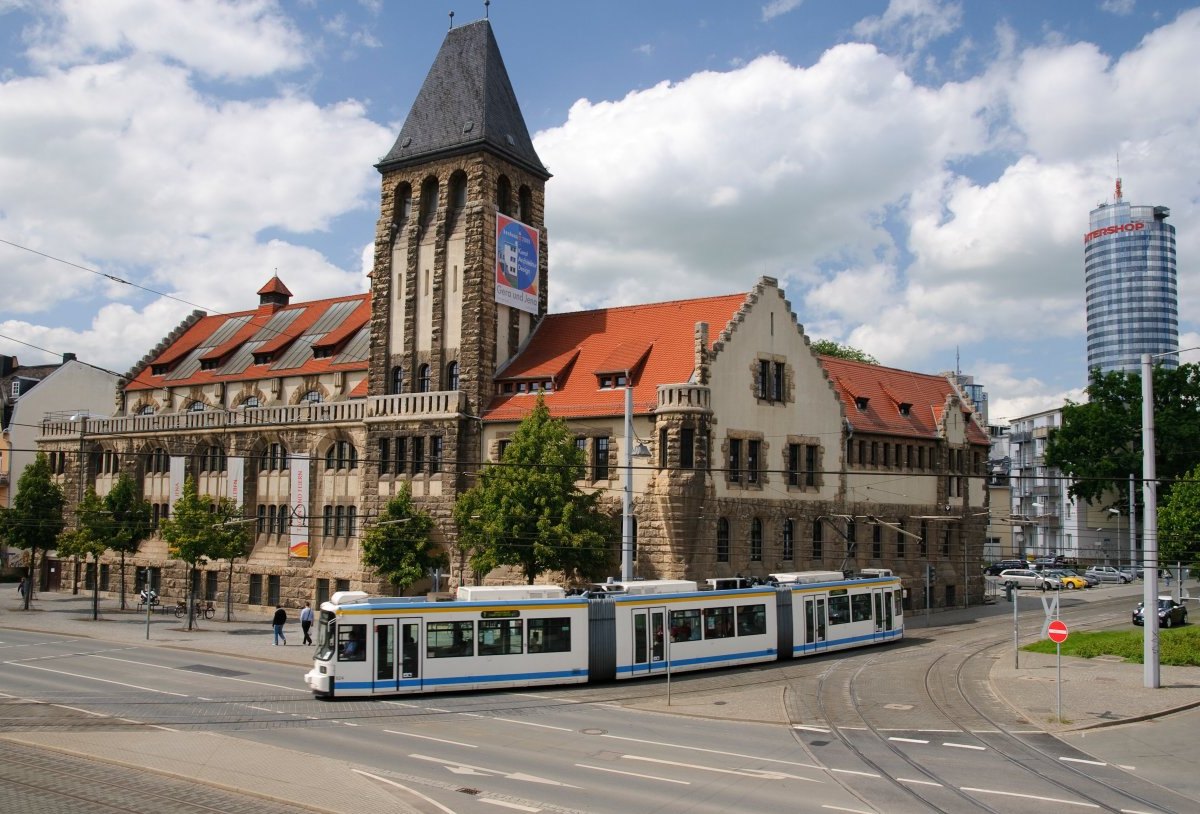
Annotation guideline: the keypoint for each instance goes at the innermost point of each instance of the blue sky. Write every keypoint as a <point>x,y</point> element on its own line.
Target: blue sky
<point>916,173</point>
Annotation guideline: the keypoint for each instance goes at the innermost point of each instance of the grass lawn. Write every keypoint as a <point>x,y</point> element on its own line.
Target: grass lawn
<point>1178,646</point>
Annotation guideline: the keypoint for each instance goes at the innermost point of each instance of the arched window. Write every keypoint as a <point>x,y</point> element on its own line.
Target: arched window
<point>458,195</point>
<point>196,407</point>
<point>402,207</point>
<point>504,196</point>
<point>312,397</point>
<point>525,206</point>
<point>756,540</point>
<point>424,380</point>
<point>398,379</point>
<point>722,540</point>
<point>429,201</point>
<point>251,401</point>
<point>452,376</point>
<point>789,540</point>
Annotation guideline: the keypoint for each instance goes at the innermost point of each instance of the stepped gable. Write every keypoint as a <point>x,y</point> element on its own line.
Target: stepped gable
<point>655,343</point>
<point>269,341</point>
<point>886,390</point>
<point>466,104</point>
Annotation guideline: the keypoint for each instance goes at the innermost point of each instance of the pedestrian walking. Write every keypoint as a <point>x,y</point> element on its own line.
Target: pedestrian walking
<point>278,621</point>
<point>306,620</point>
<point>21,587</point>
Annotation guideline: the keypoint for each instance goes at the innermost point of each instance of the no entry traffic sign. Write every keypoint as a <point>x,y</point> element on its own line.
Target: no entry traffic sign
<point>1057,631</point>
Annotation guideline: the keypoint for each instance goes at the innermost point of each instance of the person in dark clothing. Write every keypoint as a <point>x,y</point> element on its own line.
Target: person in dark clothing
<point>278,621</point>
<point>306,620</point>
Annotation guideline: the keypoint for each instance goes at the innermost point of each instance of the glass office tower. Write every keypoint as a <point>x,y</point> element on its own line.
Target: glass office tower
<point>1130,285</point>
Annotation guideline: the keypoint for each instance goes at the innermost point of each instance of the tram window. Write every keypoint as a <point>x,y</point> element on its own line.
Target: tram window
<point>352,642</point>
<point>839,610</point>
<point>685,625</point>
<point>899,600</point>
<point>500,637</point>
<point>860,608</point>
<point>325,628</point>
<point>448,640</point>
<point>752,620</point>
<point>550,635</point>
<point>718,623</point>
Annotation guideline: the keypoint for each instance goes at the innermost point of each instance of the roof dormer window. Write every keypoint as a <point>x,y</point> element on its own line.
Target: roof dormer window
<point>905,408</point>
<point>606,382</point>
<point>861,402</point>
<point>159,370</point>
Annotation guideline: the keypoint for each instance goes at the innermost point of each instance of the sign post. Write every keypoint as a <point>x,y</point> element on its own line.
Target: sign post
<point>1057,631</point>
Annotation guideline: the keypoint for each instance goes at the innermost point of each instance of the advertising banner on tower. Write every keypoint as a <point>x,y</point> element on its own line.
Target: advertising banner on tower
<point>298,503</point>
<point>233,484</point>
<point>517,247</point>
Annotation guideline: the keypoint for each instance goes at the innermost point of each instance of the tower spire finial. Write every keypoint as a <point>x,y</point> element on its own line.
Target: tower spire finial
<point>452,19</point>
<point>1118,191</point>
<point>486,3</point>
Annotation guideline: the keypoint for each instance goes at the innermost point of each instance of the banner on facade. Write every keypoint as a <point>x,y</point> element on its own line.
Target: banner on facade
<point>233,486</point>
<point>517,250</point>
<point>175,480</point>
<point>298,464</point>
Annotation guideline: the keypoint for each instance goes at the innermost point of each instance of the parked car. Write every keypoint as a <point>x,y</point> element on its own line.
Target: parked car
<point>1028,578</point>
<point>1170,613</point>
<point>1107,573</point>
<point>1091,580</point>
<point>1067,578</point>
<point>995,568</point>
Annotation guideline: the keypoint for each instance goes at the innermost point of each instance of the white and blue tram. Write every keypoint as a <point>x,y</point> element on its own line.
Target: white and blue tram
<point>535,635</point>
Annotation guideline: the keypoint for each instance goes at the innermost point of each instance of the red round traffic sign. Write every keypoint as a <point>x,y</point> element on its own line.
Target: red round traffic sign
<point>1058,631</point>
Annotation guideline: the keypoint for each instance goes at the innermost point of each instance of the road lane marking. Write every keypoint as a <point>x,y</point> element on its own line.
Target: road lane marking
<point>506,804</point>
<point>77,709</point>
<point>635,774</point>
<point>965,746</point>
<point>430,738</point>
<point>855,773</point>
<point>413,792</point>
<point>1081,760</point>
<point>531,723</point>
<point>849,810</point>
<point>287,687</point>
<point>908,740</point>
<point>1037,797</point>
<point>762,774</point>
<point>466,768</point>
<point>713,751</point>
<point>917,782</point>
<point>824,730</point>
<point>101,680</point>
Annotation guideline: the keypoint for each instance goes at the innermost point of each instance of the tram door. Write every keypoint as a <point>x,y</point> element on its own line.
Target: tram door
<point>814,622</point>
<point>396,655</point>
<point>885,622</point>
<point>649,639</point>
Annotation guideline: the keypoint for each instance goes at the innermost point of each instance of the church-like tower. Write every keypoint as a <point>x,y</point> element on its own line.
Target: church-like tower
<point>448,307</point>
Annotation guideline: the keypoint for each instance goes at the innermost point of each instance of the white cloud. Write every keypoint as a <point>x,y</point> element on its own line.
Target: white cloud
<point>912,24</point>
<point>231,40</point>
<point>1121,8</point>
<point>777,8</point>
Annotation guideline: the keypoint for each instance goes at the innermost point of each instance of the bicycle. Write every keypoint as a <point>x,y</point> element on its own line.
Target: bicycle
<point>206,610</point>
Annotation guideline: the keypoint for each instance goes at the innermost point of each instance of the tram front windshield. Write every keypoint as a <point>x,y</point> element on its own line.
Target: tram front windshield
<point>326,635</point>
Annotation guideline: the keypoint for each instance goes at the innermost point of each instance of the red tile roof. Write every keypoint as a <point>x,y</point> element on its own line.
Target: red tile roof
<point>196,345</point>
<point>655,342</point>
<point>885,389</point>
<point>274,286</point>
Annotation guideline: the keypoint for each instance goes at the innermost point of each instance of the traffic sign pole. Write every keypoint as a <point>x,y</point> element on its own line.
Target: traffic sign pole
<point>1057,631</point>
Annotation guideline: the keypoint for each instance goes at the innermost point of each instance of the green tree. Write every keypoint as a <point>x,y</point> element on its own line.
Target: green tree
<point>35,519</point>
<point>827,347</point>
<point>527,511</point>
<point>89,538</point>
<point>232,541</point>
<point>399,546</point>
<point>130,521</point>
<point>1100,442</point>
<point>192,535</point>
<point>1179,521</point>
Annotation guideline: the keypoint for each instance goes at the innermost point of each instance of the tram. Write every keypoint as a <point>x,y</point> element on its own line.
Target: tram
<point>494,637</point>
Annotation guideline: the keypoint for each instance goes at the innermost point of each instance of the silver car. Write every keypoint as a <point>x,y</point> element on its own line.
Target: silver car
<point>1107,573</point>
<point>1028,578</point>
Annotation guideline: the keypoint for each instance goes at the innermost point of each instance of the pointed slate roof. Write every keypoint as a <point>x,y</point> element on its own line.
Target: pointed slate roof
<point>466,103</point>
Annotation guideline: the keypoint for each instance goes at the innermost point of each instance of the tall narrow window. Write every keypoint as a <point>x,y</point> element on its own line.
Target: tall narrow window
<point>687,447</point>
<point>418,445</point>
<point>662,448</point>
<point>600,458</point>
<point>385,456</point>
<point>777,383</point>
<point>789,540</point>
<point>810,465</point>
<point>851,539</point>
<point>764,379</point>
<point>818,541</point>
<point>327,521</point>
<point>435,454</point>
<point>752,451</point>
<point>722,540</point>
<point>397,379</point>
<point>452,376</point>
<point>401,456</point>
<point>735,460</point>
<point>756,540</point>
<point>793,465</point>
<point>424,381</point>
<point>877,542</point>
<point>923,545</point>
<point>899,546</point>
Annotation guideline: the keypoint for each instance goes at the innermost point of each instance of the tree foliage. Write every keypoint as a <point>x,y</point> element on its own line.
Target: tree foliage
<point>527,511</point>
<point>89,538</point>
<point>1179,521</point>
<point>827,347</point>
<point>232,541</point>
<point>129,516</point>
<point>1100,442</point>
<point>36,516</point>
<point>399,546</point>
<point>193,534</point>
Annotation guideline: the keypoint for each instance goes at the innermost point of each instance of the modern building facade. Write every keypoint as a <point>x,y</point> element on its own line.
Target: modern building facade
<point>764,457</point>
<point>1130,284</point>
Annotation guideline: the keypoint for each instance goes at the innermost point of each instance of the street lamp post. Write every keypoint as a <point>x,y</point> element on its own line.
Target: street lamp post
<point>1150,669</point>
<point>1117,512</point>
